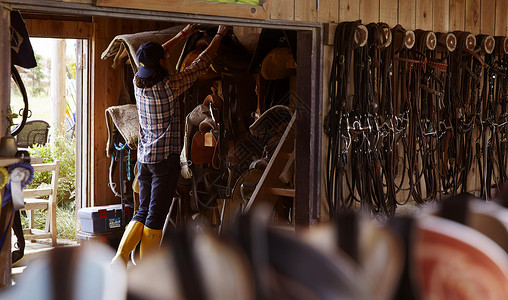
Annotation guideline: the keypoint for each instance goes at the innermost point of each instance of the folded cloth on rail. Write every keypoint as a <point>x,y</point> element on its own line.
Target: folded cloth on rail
<point>125,119</point>
<point>130,43</point>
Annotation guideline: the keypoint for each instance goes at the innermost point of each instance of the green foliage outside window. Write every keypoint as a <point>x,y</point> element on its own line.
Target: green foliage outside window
<point>64,151</point>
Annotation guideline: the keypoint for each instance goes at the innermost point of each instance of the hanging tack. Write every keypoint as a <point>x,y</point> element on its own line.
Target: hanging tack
<point>502,44</point>
<point>387,35</point>
<point>451,42</point>
<point>430,40</point>
<point>487,43</point>
<point>409,39</point>
<point>426,39</point>
<point>398,37</point>
<point>446,42</point>
<point>465,39</point>
<point>470,42</point>
<point>361,36</point>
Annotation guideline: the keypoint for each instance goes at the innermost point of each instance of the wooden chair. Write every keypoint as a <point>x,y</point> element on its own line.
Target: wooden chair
<point>34,201</point>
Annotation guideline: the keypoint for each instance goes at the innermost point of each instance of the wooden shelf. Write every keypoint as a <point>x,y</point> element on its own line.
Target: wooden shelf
<point>7,161</point>
<point>281,192</point>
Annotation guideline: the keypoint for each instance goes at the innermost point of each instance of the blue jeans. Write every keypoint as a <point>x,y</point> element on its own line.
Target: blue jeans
<point>157,184</point>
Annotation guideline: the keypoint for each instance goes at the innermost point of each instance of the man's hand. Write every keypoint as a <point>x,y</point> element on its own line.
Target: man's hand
<point>189,30</point>
<point>222,30</point>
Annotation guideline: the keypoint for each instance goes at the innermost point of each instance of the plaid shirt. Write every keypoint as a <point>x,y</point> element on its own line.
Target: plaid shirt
<point>159,112</point>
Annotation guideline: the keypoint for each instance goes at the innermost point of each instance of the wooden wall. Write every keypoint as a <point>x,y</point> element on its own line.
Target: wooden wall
<point>69,29</point>
<point>477,16</point>
<point>485,16</point>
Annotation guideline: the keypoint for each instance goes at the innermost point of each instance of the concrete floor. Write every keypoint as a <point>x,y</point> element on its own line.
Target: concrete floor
<point>35,249</point>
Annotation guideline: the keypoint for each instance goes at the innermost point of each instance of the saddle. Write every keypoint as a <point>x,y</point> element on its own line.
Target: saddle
<point>203,148</point>
<point>469,253</point>
<point>193,264</point>
<point>278,64</point>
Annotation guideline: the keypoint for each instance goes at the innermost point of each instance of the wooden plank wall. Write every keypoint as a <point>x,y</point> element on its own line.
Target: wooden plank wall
<point>59,29</point>
<point>477,16</point>
<point>487,16</point>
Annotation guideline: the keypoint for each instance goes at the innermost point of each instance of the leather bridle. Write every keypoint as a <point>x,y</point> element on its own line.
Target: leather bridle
<point>407,123</point>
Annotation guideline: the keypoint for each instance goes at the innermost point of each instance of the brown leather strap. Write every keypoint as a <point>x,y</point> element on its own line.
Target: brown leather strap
<point>424,62</point>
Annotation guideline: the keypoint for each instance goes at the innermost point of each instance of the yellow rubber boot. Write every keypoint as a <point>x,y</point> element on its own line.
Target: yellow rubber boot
<point>149,242</point>
<point>130,239</point>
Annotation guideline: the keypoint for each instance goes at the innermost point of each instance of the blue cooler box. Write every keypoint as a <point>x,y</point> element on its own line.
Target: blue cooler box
<point>107,218</point>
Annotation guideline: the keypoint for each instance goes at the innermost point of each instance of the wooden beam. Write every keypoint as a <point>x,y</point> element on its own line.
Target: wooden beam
<point>329,33</point>
<point>47,16</point>
<point>5,89</point>
<point>59,29</point>
<point>5,68</point>
<point>36,193</point>
<point>57,88</point>
<point>285,192</point>
<point>193,7</point>
<point>308,132</point>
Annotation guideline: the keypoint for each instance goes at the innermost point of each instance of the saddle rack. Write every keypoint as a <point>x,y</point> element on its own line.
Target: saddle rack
<point>273,181</point>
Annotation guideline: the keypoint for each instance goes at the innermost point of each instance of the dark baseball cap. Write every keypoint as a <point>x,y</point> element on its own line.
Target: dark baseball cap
<point>148,56</point>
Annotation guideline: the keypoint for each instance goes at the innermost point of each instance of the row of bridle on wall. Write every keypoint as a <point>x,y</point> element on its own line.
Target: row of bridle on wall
<point>413,114</point>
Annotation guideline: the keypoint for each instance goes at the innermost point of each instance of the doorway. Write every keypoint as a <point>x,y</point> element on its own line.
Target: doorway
<point>54,89</point>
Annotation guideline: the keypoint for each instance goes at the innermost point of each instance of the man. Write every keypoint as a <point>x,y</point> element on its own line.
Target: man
<point>159,143</point>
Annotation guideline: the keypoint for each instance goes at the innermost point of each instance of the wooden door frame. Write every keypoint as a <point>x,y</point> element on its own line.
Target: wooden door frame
<point>195,7</point>
<point>308,92</point>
